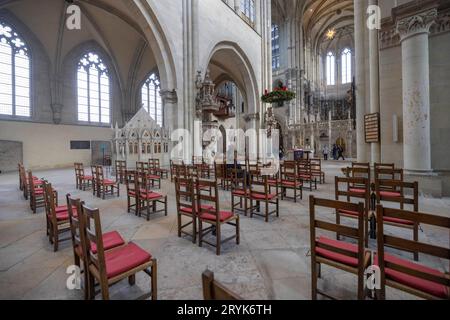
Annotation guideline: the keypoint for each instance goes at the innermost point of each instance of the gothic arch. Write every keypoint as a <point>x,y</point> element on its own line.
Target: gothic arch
<point>233,60</point>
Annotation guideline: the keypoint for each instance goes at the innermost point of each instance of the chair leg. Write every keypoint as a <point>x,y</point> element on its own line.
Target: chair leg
<point>55,238</point>
<point>200,233</point>
<point>154,280</point>
<point>132,280</point>
<point>218,239</point>
<point>105,290</point>
<point>194,230</point>
<point>267,211</point>
<point>165,206</point>
<point>313,280</point>
<point>179,224</point>
<point>238,235</point>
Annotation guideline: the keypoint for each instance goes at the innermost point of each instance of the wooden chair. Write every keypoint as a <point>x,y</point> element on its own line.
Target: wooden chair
<point>399,196</point>
<point>260,192</point>
<point>57,217</point>
<point>132,185</point>
<point>220,174</point>
<point>83,181</point>
<point>405,275</point>
<point>35,191</point>
<point>111,240</point>
<point>350,192</point>
<point>112,266</point>
<point>186,206</point>
<point>155,168</point>
<point>338,254</point>
<point>316,169</point>
<point>239,190</point>
<point>213,216</point>
<point>120,169</point>
<point>143,169</point>
<point>304,170</point>
<point>148,200</point>
<point>95,189</point>
<point>290,180</point>
<point>214,290</point>
<point>105,186</point>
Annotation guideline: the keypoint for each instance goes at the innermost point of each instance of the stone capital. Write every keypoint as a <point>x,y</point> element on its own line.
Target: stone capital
<point>418,23</point>
<point>169,96</point>
<point>56,109</point>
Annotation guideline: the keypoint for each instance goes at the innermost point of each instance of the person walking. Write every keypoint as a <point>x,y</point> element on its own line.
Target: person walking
<point>340,151</point>
<point>334,152</point>
<point>325,152</point>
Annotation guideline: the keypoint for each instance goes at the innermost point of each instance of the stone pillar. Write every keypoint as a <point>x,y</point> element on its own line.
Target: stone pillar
<point>414,32</point>
<point>360,25</point>
<point>374,63</point>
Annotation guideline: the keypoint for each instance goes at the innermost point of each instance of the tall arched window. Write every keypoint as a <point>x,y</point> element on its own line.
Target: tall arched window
<point>14,74</point>
<point>346,66</point>
<point>331,66</point>
<point>275,46</point>
<point>151,98</point>
<point>93,90</point>
<point>248,9</point>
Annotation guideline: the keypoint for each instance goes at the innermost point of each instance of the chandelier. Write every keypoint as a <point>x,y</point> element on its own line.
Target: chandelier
<point>331,33</point>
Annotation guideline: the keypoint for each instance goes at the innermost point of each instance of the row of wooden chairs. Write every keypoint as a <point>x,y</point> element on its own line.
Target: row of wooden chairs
<point>140,195</point>
<point>202,208</point>
<point>396,272</point>
<point>101,186</point>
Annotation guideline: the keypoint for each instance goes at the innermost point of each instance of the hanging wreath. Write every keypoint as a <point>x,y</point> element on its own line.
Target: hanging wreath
<point>279,95</point>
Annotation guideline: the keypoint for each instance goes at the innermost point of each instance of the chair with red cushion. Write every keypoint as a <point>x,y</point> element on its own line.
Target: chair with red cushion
<point>359,170</point>
<point>105,186</point>
<point>400,196</point>
<point>57,219</point>
<point>316,169</point>
<point>112,266</point>
<point>209,212</point>
<point>155,168</point>
<point>132,185</point>
<point>151,177</point>
<point>83,181</point>
<point>260,193</point>
<point>121,168</point>
<point>403,274</point>
<point>239,190</point>
<point>349,191</point>
<point>111,240</point>
<point>290,180</point>
<point>186,206</point>
<point>304,170</point>
<point>214,290</point>
<point>342,255</point>
<point>148,199</point>
<point>36,192</point>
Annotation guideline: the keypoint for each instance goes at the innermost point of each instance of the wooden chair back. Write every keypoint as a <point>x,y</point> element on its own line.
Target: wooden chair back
<point>76,224</point>
<point>50,202</point>
<point>289,171</point>
<point>24,182</point>
<point>349,192</point>
<point>142,168</point>
<point>214,290</point>
<point>93,230</point>
<point>100,174</point>
<point>436,222</point>
<point>185,194</point>
<point>204,200</point>
<point>121,167</point>
<point>131,182</point>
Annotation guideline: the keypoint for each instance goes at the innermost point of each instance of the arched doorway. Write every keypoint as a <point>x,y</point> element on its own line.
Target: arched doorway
<point>341,142</point>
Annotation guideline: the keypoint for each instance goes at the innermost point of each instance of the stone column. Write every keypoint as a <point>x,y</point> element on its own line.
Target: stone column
<point>360,25</point>
<point>374,63</point>
<point>414,31</point>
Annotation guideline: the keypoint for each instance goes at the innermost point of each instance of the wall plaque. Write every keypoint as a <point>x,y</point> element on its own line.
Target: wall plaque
<point>372,128</point>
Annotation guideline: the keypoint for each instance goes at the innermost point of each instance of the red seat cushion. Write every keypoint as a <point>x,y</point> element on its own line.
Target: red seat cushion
<point>305,176</point>
<point>62,216</point>
<point>348,212</point>
<point>390,194</point>
<point>430,287</point>
<point>64,208</point>
<point>258,196</point>
<point>125,259</point>
<point>150,195</point>
<point>272,182</point>
<point>111,240</point>
<point>153,177</point>
<point>357,190</point>
<point>108,182</point>
<point>399,221</point>
<point>223,216</point>
<point>290,183</point>
<point>86,177</point>
<point>341,258</point>
<point>239,193</point>
<point>189,210</point>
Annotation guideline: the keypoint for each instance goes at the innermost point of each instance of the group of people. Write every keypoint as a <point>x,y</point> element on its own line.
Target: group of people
<point>337,152</point>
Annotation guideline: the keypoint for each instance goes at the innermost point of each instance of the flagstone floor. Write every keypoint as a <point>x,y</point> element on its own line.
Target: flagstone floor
<point>272,261</point>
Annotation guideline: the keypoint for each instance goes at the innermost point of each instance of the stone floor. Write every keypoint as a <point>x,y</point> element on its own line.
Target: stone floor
<point>272,261</point>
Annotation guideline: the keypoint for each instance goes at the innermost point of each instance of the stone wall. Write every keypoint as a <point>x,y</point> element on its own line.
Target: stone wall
<point>11,153</point>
